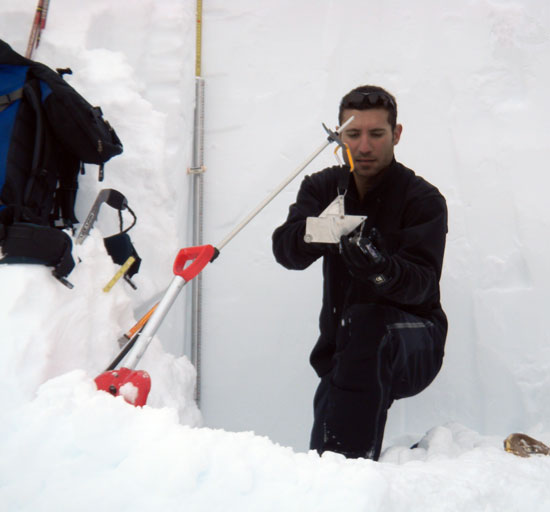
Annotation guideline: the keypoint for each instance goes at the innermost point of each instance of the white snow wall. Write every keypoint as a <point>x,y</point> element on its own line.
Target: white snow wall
<point>472,85</point>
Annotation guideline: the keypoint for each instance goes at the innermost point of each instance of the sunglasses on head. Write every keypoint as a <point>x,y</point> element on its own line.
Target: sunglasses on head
<point>364,99</point>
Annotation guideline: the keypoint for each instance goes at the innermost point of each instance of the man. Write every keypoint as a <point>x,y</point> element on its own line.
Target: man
<point>382,328</point>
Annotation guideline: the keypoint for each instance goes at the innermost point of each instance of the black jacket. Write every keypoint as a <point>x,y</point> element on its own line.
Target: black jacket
<point>410,214</point>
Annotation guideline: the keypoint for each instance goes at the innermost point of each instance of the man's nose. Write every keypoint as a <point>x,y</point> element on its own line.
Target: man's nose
<point>364,144</point>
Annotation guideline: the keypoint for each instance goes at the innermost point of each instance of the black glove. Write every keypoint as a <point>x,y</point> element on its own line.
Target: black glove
<point>366,258</point>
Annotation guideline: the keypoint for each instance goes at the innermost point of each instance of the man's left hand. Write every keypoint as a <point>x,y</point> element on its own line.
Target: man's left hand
<point>366,260</point>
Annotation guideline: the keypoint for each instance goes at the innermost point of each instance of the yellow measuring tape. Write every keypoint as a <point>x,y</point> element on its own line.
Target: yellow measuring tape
<point>198,49</point>
<point>127,264</point>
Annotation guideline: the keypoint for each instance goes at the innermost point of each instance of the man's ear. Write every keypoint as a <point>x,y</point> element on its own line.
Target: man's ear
<point>397,133</point>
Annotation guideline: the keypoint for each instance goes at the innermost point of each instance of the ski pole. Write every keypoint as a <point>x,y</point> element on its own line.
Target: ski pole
<point>198,257</point>
<point>38,25</point>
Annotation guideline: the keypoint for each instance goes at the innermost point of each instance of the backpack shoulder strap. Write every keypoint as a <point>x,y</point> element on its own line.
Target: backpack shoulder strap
<point>38,156</point>
<point>7,99</point>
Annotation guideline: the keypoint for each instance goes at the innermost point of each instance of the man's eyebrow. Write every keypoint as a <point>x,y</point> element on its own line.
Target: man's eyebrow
<point>370,130</point>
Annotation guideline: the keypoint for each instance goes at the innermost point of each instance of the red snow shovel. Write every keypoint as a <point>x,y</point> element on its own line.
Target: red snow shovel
<point>134,385</point>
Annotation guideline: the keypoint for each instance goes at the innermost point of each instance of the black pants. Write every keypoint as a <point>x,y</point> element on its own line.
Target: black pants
<point>382,354</point>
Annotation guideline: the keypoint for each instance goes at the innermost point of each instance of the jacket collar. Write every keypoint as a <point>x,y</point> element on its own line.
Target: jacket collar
<point>387,177</point>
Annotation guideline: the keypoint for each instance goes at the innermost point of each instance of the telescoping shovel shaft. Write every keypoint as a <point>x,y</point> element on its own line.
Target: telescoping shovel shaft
<point>188,264</point>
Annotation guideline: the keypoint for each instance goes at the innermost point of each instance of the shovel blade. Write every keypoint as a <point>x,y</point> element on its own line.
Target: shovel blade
<point>132,385</point>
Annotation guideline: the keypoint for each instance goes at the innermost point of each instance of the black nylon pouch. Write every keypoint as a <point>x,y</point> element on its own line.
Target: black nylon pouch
<point>120,248</point>
<point>36,244</point>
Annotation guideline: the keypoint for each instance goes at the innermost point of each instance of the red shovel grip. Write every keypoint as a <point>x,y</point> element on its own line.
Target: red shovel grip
<point>200,257</point>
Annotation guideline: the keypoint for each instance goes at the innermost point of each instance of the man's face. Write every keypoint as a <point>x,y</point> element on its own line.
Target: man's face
<point>371,140</point>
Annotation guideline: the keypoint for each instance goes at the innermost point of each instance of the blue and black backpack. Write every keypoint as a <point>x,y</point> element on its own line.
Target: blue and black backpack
<point>47,132</point>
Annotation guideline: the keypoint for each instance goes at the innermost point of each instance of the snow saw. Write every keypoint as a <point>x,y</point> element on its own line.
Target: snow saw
<point>134,385</point>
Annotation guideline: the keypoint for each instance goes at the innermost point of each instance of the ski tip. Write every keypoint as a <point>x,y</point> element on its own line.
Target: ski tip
<point>523,445</point>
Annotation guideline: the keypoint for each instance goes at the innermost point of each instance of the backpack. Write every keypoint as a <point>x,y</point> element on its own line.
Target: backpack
<point>47,132</point>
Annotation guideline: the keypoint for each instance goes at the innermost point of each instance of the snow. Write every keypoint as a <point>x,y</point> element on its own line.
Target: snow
<point>471,81</point>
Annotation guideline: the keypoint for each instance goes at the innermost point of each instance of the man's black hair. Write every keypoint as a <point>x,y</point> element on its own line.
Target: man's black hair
<point>367,97</point>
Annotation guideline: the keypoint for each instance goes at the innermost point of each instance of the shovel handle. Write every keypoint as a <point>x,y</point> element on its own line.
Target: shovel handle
<point>200,256</point>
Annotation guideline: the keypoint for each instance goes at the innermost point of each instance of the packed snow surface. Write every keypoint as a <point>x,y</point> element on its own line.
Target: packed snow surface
<point>471,80</point>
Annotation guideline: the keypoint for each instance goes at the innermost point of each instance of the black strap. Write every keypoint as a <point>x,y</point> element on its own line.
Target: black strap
<point>7,99</point>
<point>343,179</point>
<point>116,199</point>
<point>32,96</point>
<point>65,265</point>
<point>121,222</point>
